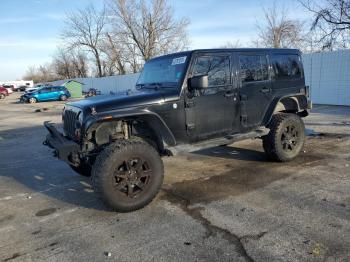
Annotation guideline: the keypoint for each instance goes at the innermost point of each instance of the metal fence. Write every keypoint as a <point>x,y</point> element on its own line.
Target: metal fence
<point>328,75</point>
<point>107,85</point>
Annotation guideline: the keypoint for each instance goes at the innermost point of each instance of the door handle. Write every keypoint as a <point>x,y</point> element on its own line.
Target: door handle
<point>265,90</point>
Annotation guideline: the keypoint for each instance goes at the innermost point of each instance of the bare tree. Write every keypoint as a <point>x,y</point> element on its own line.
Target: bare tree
<point>148,27</point>
<point>115,54</point>
<point>230,44</point>
<point>85,29</point>
<point>70,63</point>
<point>331,22</point>
<point>43,73</point>
<point>79,63</point>
<point>278,30</point>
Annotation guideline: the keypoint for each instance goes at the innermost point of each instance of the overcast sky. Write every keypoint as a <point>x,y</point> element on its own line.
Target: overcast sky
<point>30,29</point>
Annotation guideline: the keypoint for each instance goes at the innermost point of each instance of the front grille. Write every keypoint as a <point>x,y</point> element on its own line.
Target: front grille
<point>69,120</point>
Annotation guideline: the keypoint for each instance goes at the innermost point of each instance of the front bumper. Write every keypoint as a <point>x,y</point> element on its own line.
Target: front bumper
<point>64,148</point>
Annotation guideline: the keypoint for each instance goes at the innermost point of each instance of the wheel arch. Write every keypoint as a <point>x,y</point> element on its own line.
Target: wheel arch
<point>136,118</point>
<point>296,104</point>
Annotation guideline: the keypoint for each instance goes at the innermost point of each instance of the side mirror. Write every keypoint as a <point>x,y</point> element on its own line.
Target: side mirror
<point>199,82</point>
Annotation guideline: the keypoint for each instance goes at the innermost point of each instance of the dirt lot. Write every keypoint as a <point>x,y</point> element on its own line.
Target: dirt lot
<point>221,204</point>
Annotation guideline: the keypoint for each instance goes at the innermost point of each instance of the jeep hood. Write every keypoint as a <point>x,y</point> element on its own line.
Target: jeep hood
<point>103,103</point>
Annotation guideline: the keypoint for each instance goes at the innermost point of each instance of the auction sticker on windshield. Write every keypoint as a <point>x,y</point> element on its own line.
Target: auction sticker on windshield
<point>179,60</point>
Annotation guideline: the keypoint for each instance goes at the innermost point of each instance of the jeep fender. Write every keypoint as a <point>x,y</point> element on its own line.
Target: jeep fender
<point>290,103</point>
<point>154,121</point>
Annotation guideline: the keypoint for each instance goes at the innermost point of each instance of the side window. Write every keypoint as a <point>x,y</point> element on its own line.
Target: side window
<point>216,67</point>
<point>45,90</point>
<point>286,67</point>
<point>253,68</point>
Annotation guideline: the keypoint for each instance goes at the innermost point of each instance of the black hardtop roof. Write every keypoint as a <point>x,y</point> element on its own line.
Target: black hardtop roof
<point>267,50</point>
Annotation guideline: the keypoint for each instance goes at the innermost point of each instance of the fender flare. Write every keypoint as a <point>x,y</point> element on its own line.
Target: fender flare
<point>296,102</point>
<point>155,122</point>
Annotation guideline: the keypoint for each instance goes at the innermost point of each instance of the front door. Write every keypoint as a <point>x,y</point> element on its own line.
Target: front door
<point>255,93</point>
<point>212,112</point>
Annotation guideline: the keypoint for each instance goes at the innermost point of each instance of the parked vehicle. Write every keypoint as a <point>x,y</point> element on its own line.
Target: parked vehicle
<point>46,94</point>
<point>9,88</point>
<point>92,92</point>
<point>201,98</point>
<point>3,92</point>
<point>22,88</point>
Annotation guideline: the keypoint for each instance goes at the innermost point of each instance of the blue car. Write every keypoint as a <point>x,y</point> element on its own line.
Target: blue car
<point>47,93</point>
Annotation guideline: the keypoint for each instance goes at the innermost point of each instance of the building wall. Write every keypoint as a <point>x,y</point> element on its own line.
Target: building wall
<point>108,84</point>
<point>328,75</point>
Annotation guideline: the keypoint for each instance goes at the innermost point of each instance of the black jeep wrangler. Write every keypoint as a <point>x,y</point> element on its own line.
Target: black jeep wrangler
<point>182,101</point>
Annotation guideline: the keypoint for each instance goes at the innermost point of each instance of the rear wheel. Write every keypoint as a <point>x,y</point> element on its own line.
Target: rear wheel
<point>128,174</point>
<point>2,96</point>
<point>33,100</point>
<point>286,137</point>
<point>63,97</point>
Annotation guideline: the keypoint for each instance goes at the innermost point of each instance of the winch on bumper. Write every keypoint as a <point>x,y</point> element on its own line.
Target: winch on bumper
<point>64,148</point>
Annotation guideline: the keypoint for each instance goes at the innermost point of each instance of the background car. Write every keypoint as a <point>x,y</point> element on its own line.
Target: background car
<point>3,92</point>
<point>22,88</point>
<point>9,88</point>
<point>48,93</point>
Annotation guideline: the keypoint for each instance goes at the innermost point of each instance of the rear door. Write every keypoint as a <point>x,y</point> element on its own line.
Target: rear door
<point>255,92</point>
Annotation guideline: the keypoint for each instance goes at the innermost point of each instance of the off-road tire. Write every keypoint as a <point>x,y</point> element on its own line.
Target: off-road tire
<point>83,169</point>
<point>278,144</point>
<point>32,100</point>
<point>110,174</point>
<point>63,97</point>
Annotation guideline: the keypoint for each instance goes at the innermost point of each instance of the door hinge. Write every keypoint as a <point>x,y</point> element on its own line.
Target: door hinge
<point>189,104</point>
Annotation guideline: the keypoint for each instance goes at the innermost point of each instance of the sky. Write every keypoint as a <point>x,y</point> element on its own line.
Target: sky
<point>30,29</point>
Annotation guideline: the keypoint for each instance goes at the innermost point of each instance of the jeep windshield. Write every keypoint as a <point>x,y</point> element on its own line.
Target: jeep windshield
<point>163,72</point>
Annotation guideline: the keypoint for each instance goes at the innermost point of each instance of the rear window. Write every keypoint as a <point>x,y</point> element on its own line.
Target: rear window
<point>286,66</point>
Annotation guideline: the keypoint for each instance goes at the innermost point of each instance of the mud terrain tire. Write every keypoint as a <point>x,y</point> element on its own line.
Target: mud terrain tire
<point>127,175</point>
<point>286,137</point>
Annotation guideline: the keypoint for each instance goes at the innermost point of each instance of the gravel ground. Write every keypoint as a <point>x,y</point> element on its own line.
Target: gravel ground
<point>220,204</point>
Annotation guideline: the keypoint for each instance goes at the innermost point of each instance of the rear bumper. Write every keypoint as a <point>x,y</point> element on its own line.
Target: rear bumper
<point>64,148</point>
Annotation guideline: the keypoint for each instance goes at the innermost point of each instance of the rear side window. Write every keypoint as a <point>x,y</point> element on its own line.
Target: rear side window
<point>286,67</point>
<point>217,67</point>
<point>253,68</point>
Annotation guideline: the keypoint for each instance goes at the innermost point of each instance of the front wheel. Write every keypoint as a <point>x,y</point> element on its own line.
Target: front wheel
<point>32,100</point>
<point>128,174</point>
<point>2,96</point>
<point>286,137</point>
